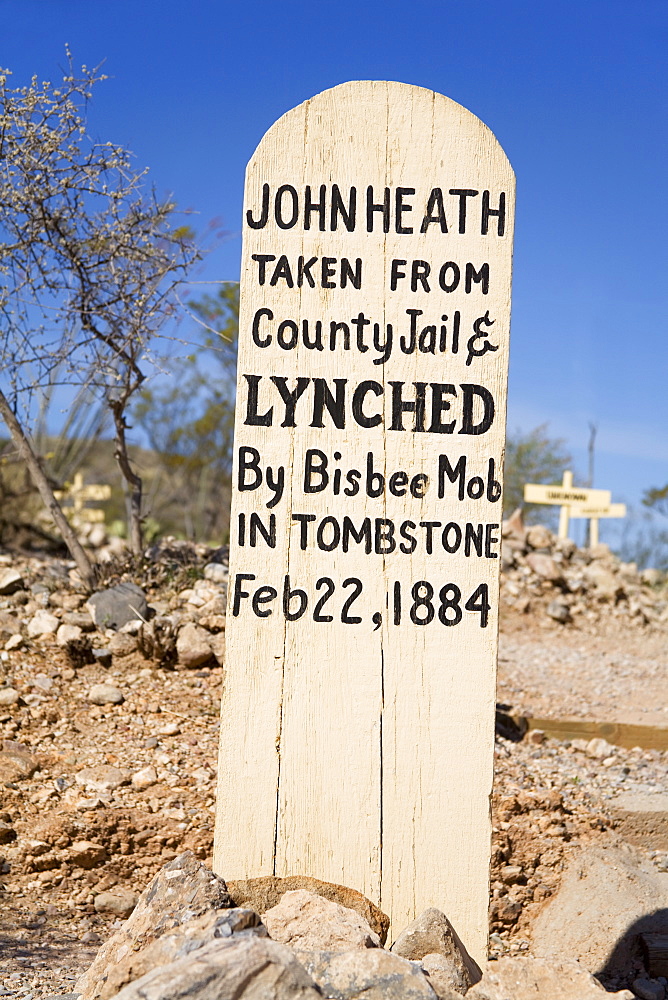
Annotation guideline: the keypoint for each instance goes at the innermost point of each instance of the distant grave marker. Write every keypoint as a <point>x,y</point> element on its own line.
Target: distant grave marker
<point>575,501</point>
<point>357,728</point>
<point>76,495</point>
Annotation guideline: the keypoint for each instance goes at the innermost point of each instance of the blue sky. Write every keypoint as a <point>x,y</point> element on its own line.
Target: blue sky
<point>575,92</point>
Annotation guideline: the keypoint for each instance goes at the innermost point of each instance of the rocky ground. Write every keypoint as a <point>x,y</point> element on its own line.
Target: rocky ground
<point>109,731</point>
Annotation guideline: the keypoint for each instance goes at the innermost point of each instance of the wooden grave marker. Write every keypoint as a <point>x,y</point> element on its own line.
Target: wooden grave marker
<point>575,501</point>
<point>78,494</point>
<point>357,728</point>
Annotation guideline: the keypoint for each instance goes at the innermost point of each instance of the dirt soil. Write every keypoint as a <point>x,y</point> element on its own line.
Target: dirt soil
<point>549,797</point>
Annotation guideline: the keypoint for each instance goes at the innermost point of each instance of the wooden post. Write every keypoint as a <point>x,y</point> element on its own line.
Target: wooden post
<point>593,531</point>
<point>567,483</point>
<point>357,727</point>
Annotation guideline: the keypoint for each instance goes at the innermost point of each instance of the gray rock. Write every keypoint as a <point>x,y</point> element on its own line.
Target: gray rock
<point>105,694</point>
<point>16,763</point>
<point>607,897</point>
<point>7,833</point>
<point>438,971</point>
<point>86,854</point>
<point>544,566</point>
<point>193,646</point>
<point>8,696</point>
<point>649,989</point>
<point>81,619</point>
<point>117,605</point>
<point>122,644</point>
<point>145,778</point>
<point>10,581</point>
<point>530,978</point>
<point>539,537</point>
<point>371,974</point>
<point>432,932</point>
<point>559,611</point>
<point>102,778</point>
<point>120,902</point>
<point>177,944</point>
<point>250,968</point>
<point>68,633</point>
<point>216,572</point>
<point>42,623</point>
<point>606,584</point>
<point>308,922</point>
<point>264,892</point>
<point>182,890</point>
<point>102,656</point>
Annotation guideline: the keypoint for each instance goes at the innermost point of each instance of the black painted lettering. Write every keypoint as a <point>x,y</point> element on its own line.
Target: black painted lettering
<point>400,208</point>
<point>288,596</point>
<point>470,392</point>
<point>253,418</point>
<point>282,272</point>
<point>293,198</point>
<point>311,206</point>
<point>419,485</point>
<point>463,194</point>
<point>339,209</point>
<point>398,484</point>
<point>405,532</point>
<point>401,406</point>
<point>455,475</point>
<point>304,271</point>
<point>249,461</point>
<point>449,286</point>
<point>499,212</point>
<point>490,540</point>
<point>328,522</point>
<point>396,273</point>
<point>360,322</point>
<point>386,347</point>
<point>264,214</point>
<point>262,261</point>
<point>384,540</point>
<point>358,401</point>
<point>372,208</point>
<point>239,593</point>
<point>439,406</point>
<point>333,330</point>
<point>451,538</point>
<point>323,399</point>
<point>480,277</point>
<point>315,344</point>
<point>420,271</point>
<point>473,537</point>
<point>493,486</point>
<point>435,212</point>
<point>256,329</point>
<point>290,342</point>
<point>348,275</point>
<point>262,596</point>
<point>304,521</point>
<point>315,464</point>
<point>363,535</point>
<point>375,481</point>
<point>328,272</point>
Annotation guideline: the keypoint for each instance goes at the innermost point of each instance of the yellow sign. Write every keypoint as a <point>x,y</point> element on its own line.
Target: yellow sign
<point>561,495</point>
<point>589,510</point>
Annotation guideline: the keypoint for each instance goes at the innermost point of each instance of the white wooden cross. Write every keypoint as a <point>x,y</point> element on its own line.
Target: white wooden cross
<point>78,494</point>
<point>575,501</point>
